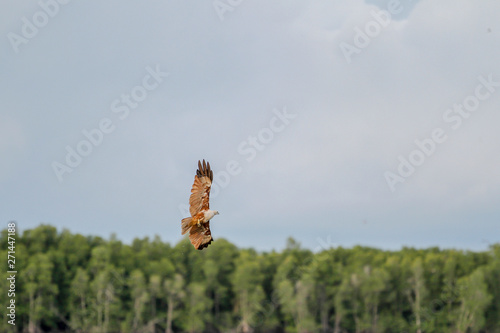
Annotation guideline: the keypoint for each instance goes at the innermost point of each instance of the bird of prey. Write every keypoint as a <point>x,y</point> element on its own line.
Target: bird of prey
<point>198,224</point>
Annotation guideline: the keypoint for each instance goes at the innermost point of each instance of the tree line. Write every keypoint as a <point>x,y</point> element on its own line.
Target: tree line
<point>68,282</point>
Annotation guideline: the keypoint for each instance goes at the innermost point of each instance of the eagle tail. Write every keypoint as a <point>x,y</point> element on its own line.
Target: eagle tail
<point>200,236</point>
<point>186,224</point>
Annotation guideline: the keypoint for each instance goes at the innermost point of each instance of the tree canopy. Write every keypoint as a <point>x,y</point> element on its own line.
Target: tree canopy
<point>73,283</point>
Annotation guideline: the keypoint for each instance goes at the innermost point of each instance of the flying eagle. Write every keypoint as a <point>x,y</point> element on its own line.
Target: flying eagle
<point>198,224</point>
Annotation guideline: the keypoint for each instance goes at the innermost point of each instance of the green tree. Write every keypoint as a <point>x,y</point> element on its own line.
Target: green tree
<point>340,309</point>
<point>174,292</point>
<point>326,273</point>
<point>417,292</point>
<point>40,289</point>
<point>40,239</point>
<point>349,299</point>
<point>218,267</point>
<point>155,292</point>
<point>304,319</point>
<point>104,293</point>
<point>105,286</point>
<point>294,296</point>
<point>396,299</point>
<point>247,284</point>
<point>474,299</point>
<point>492,274</point>
<point>198,306</point>
<point>360,295</point>
<point>140,297</point>
<point>373,284</point>
<point>80,320</point>
<point>85,284</point>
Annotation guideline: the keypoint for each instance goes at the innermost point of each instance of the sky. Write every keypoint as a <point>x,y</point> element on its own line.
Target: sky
<point>337,123</point>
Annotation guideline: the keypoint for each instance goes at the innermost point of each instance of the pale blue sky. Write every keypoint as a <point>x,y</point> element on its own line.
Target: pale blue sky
<point>359,87</point>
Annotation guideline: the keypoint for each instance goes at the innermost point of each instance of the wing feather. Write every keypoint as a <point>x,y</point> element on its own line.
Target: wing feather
<point>200,236</point>
<point>200,192</point>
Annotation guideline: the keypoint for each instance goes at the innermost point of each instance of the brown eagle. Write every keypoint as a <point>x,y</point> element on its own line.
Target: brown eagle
<point>198,224</point>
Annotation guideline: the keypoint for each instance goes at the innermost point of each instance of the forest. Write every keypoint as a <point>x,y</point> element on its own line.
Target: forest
<point>67,282</point>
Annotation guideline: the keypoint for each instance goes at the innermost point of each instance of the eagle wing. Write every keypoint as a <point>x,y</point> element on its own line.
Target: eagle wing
<point>200,192</point>
<point>200,236</point>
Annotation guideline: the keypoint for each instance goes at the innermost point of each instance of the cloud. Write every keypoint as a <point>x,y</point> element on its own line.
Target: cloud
<point>323,172</point>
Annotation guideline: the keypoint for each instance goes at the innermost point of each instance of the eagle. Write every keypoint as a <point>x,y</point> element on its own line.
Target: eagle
<point>198,224</point>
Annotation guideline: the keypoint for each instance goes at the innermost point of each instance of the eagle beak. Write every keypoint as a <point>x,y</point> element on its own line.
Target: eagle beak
<point>217,213</point>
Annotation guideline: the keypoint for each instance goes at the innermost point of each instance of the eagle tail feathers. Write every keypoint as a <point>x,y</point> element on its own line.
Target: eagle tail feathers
<point>200,236</point>
<point>186,224</point>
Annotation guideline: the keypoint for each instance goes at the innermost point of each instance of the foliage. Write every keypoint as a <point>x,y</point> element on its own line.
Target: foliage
<point>71,283</point>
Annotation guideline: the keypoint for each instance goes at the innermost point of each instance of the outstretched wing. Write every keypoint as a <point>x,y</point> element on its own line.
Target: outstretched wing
<point>200,192</point>
<point>200,236</point>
